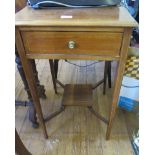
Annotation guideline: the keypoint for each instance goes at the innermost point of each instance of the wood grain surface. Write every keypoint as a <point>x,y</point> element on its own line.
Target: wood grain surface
<point>90,43</point>
<point>106,16</point>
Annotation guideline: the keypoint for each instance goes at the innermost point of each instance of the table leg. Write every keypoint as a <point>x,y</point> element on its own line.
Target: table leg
<point>56,67</point>
<point>40,88</point>
<point>105,77</point>
<point>118,80</point>
<point>27,66</point>
<point>53,75</point>
<point>109,73</point>
<point>32,111</point>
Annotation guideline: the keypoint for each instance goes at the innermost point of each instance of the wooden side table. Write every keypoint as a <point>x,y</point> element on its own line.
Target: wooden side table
<point>87,34</point>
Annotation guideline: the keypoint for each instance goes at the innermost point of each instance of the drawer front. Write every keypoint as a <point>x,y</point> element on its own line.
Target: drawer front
<point>91,43</point>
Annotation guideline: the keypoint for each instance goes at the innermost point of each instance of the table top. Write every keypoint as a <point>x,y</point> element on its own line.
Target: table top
<point>105,16</point>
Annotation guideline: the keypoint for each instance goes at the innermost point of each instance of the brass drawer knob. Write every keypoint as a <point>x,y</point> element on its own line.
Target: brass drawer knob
<point>71,44</point>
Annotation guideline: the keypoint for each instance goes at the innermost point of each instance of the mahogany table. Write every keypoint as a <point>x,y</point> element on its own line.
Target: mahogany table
<point>79,34</point>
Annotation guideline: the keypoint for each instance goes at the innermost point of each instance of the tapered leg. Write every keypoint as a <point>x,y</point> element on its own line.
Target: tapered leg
<point>109,73</point>
<point>32,111</point>
<point>119,77</point>
<point>40,88</point>
<point>27,66</point>
<point>56,67</point>
<point>105,77</point>
<point>35,96</point>
<point>53,75</point>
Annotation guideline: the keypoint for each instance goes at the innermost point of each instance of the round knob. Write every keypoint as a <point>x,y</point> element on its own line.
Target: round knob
<point>71,44</point>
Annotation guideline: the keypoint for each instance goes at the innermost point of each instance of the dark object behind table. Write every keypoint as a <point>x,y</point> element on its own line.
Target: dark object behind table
<point>71,3</point>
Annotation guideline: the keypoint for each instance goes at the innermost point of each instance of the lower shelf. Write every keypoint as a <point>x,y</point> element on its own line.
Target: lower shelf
<point>78,95</point>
